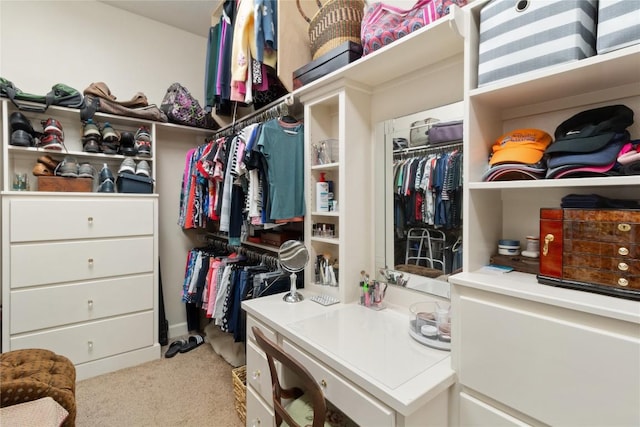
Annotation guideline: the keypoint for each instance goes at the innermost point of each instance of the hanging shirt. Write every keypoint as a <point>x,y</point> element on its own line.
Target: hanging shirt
<point>282,145</point>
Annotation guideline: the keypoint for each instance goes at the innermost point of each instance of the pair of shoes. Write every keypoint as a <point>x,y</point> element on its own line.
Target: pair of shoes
<point>96,140</point>
<point>22,132</point>
<point>85,170</point>
<point>110,139</point>
<point>143,142</point>
<point>91,137</point>
<point>106,180</point>
<point>183,346</point>
<point>53,138</point>
<point>128,144</point>
<point>45,166</point>
<point>68,167</point>
<point>129,165</point>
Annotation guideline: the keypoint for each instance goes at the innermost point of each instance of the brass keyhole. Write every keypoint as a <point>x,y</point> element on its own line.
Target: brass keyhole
<point>548,238</point>
<point>624,227</point>
<point>623,282</point>
<point>623,266</point>
<point>623,251</point>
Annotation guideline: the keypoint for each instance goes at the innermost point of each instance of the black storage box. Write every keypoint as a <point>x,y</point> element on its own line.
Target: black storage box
<point>336,58</point>
<point>129,183</point>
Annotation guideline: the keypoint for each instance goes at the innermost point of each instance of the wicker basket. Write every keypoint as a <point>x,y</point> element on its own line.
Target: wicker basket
<point>336,22</point>
<point>239,376</point>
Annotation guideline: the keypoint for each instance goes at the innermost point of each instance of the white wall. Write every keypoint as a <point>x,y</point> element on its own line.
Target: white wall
<point>79,42</point>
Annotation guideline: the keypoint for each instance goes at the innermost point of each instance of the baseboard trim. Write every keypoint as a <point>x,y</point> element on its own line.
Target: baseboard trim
<point>117,362</point>
<point>177,330</point>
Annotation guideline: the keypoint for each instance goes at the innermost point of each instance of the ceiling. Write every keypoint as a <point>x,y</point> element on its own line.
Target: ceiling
<point>193,16</point>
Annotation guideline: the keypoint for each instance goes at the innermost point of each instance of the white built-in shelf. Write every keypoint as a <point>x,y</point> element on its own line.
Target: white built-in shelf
<point>420,49</point>
<point>329,240</point>
<point>619,68</point>
<point>328,166</point>
<point>611,181</point>
<point>330,213</point>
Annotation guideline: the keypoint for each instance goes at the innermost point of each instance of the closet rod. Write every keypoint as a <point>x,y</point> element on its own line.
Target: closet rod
<point>428,148</point>
<point>223,244</point>
<point>280,107</point>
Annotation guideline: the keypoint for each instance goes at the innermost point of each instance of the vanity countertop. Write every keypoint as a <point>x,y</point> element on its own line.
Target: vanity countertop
<point>372,349</point>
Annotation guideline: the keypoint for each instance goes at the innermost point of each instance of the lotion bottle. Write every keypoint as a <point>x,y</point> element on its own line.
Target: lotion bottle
<point>322,194</point>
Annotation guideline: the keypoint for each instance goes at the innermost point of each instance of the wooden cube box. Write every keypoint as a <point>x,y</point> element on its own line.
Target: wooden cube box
<point>64,184</point>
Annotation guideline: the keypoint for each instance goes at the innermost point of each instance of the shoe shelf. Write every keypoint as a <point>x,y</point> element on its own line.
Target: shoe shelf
<point>20,160</point>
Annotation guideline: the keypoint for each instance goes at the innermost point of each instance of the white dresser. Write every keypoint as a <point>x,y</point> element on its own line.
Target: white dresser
<point>365,361</point>
<point>79,278</point>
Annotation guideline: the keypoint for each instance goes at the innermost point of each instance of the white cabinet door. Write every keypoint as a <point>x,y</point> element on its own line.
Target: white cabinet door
<point>557,366</point>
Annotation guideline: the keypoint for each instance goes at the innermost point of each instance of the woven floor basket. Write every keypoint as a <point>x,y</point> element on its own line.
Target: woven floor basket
<point>336,22</point>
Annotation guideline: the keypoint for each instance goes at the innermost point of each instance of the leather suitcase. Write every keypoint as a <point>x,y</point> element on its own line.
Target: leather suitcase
<point>596,250</point>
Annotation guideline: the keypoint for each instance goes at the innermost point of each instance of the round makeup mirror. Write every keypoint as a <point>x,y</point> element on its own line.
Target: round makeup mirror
<point>293,257</point>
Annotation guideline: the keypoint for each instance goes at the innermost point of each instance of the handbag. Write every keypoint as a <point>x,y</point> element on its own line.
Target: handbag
<point>419,133</point>
<point>444,132</point>
<point>183,109</point>
<point>383,24</point>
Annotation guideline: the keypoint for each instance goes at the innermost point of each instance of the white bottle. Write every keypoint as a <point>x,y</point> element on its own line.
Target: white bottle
<point>322,194</point>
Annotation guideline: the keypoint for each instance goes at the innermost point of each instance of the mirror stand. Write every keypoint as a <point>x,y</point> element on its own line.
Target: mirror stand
<point>293,295</point>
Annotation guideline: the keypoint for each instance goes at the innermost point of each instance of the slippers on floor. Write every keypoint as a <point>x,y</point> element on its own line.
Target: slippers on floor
<point>175,347</point>
<point>193,342</point>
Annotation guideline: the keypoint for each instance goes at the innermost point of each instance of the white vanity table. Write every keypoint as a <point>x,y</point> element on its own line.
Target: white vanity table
<point>365,360</point>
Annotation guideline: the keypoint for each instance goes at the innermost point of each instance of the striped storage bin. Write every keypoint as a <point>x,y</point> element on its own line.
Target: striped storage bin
<point>517,36</point>
<point>618,24</point>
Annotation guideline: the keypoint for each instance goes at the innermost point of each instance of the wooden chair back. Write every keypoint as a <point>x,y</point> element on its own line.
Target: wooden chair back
<point>309,385</point>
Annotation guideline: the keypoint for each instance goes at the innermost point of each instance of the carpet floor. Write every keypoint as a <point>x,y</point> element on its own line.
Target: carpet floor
<point>189,389</point>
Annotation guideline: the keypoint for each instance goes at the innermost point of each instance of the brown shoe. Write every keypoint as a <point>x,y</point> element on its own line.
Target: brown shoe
<point>41,169</point>
<point>48,161</point>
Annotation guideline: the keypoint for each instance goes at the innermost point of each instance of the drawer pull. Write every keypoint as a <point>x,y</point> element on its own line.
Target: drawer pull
<point>90,304</point>
<point>323,383</point>
<point>548,238</point>
<point>90,261</point>
<point>623,266</point>
<point>623,251</point>
<point>256,374</point>
<point>624,227</point>
<point>256,422</point>
<point>90,220</point>
<point>623,282</point>
<point>90,345</point>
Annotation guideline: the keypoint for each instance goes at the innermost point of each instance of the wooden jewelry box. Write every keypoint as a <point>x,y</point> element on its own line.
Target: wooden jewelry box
<point>595,250</point>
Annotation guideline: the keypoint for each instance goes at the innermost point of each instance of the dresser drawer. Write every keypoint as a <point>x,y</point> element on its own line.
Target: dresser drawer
<point>474,412</point>
<point>268,332</point>
<point>258,374</point>
<point>94,340</point>
<point>32,308</point>
<point>360,407</point>
<point>40,220</point>
<point>607,249</point>
<point>259,414</point>
<point>44,263</point>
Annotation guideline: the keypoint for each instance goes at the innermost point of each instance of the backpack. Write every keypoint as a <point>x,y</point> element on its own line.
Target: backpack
<point>60,94</point>
<point>183,109</point>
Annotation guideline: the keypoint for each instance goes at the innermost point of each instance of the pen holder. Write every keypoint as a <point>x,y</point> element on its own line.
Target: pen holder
<point>372,294</point>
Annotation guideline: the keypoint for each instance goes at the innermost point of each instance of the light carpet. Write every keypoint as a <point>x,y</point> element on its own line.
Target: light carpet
<point>189,389</point>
